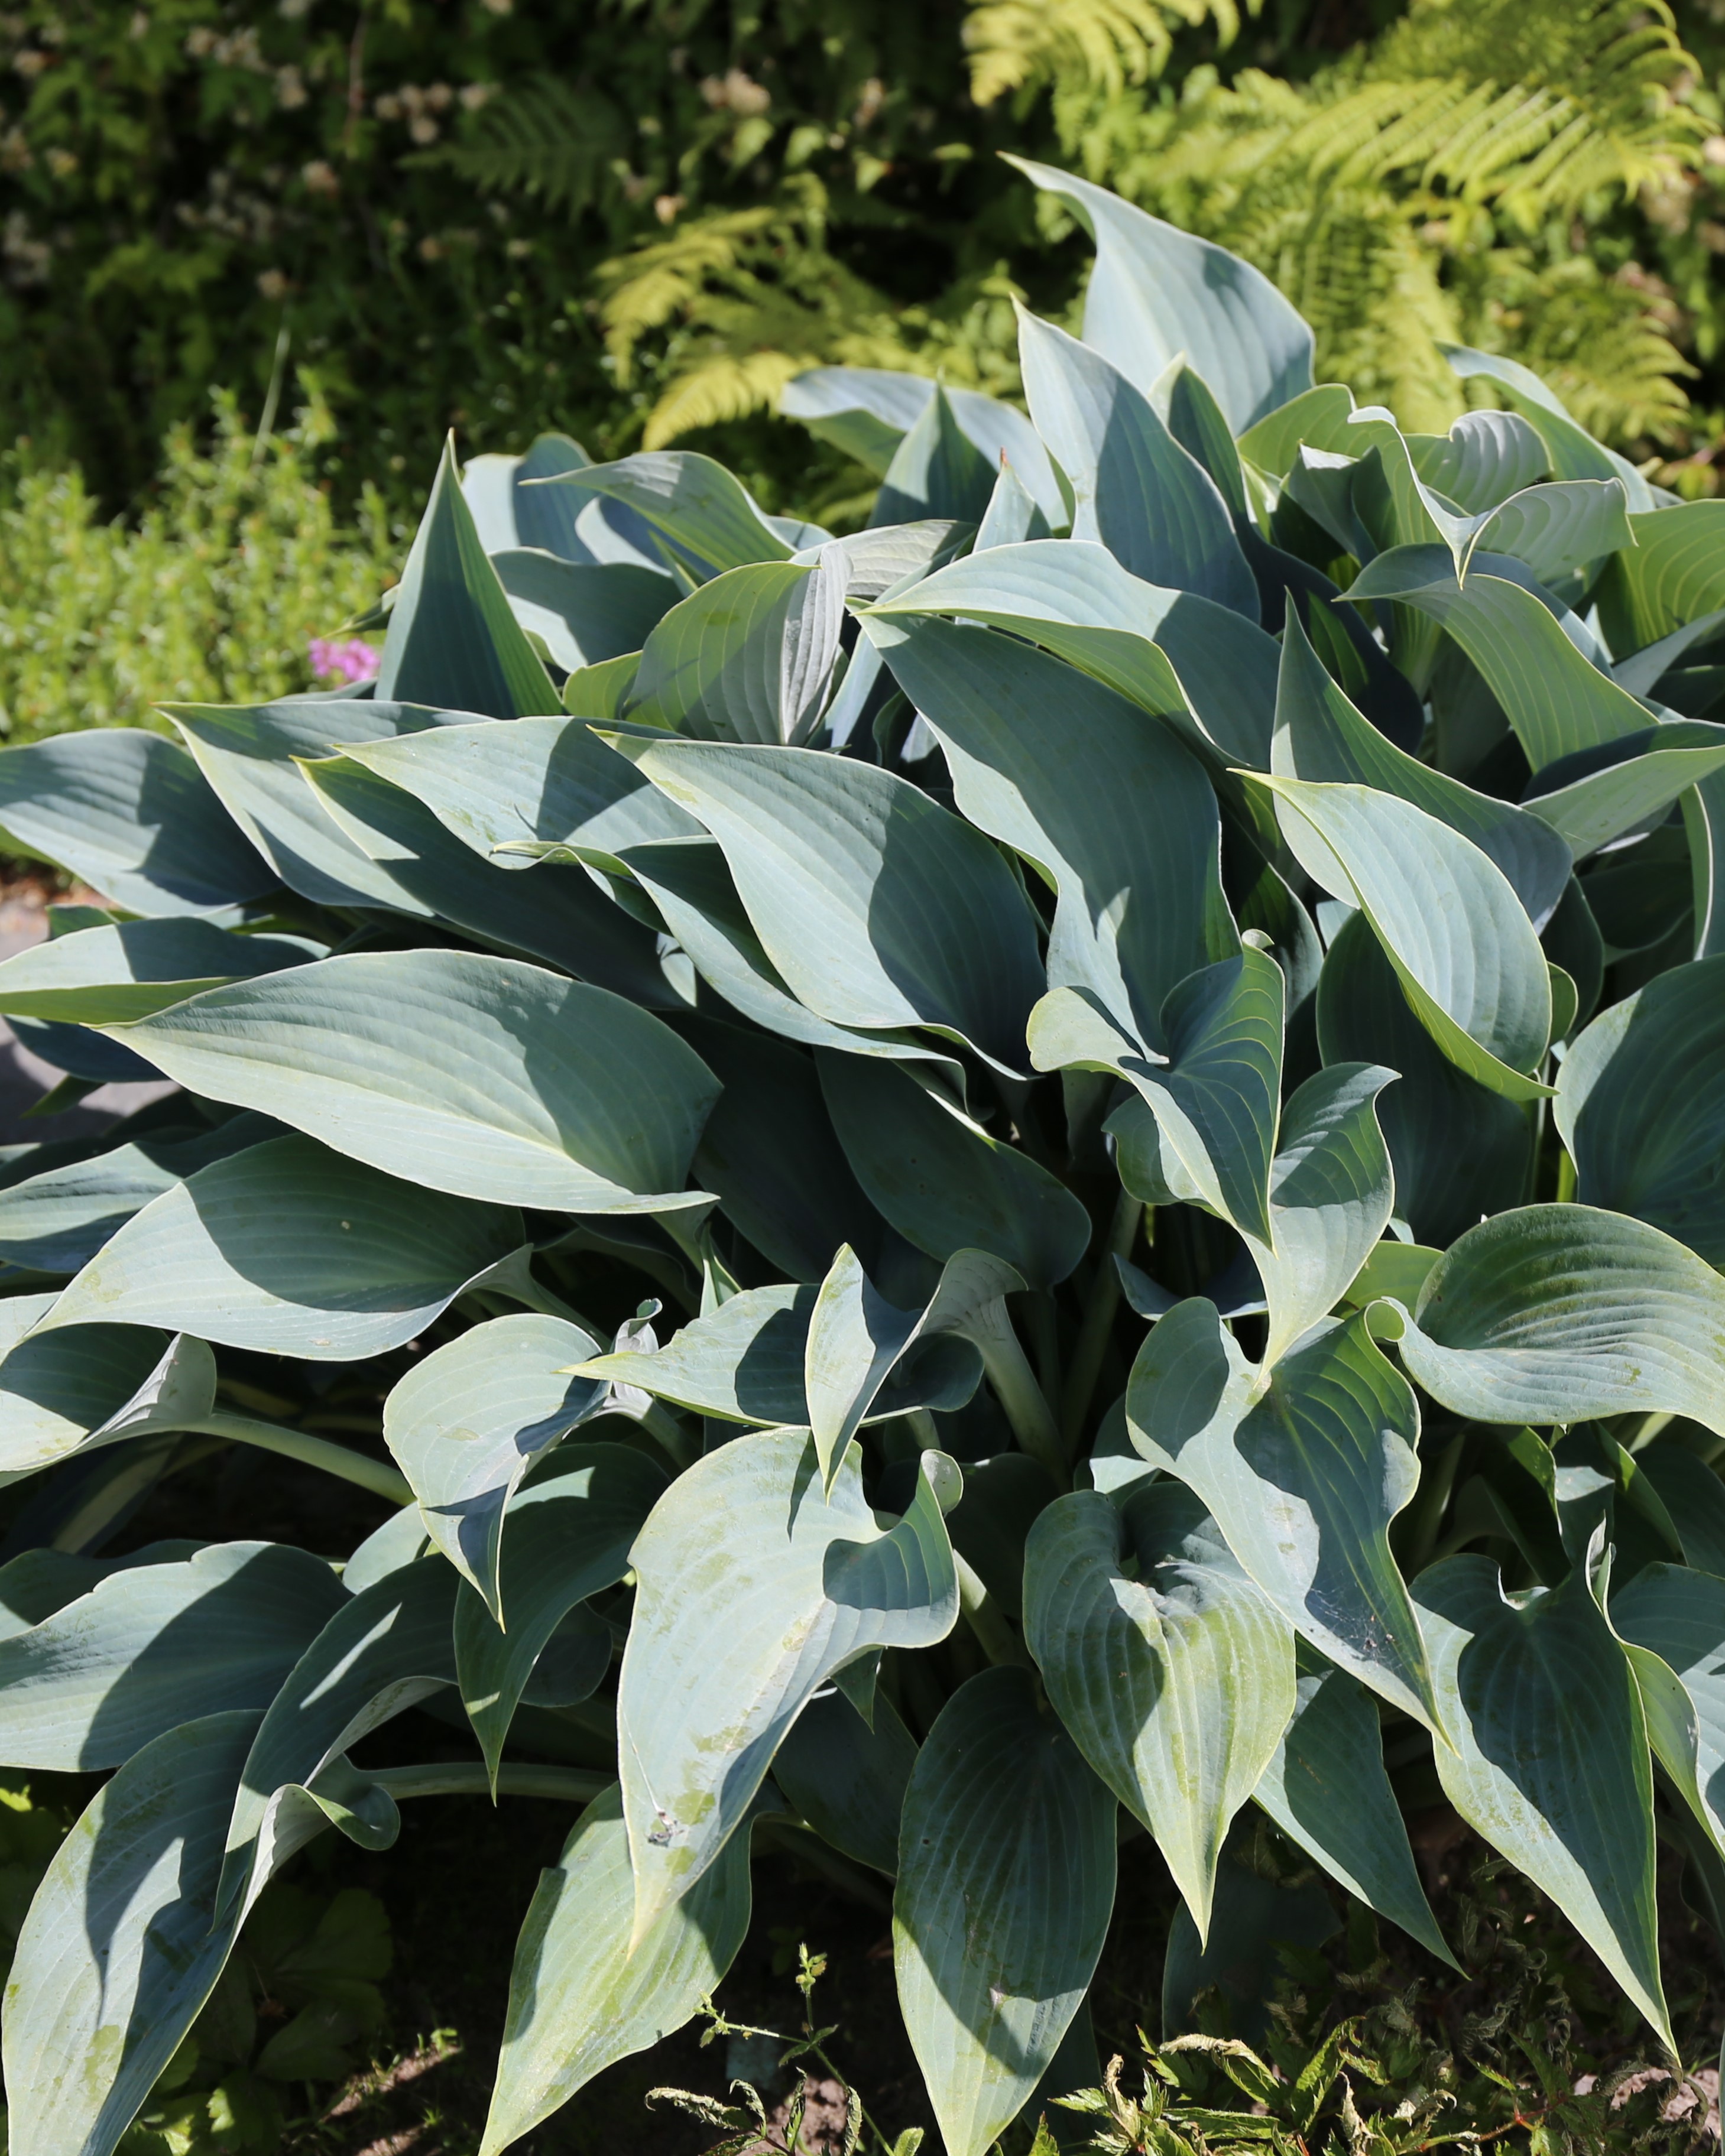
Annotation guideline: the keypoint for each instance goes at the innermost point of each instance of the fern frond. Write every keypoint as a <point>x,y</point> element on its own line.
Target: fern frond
<point>1108,43</point>
<point>547,138</point>
<point>721,387</point>
<point>656,284</point>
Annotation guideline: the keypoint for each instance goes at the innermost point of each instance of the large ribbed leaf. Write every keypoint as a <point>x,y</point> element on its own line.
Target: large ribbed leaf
<point>1327,1789</point>
<point>1177,1682</point>
<point>1138,491</point>
<point>1553,696</point>
<point>1573,452</point>
<point>583,1994</point>
<point>748,657</point>
<point>1485,458</point>
<point>936,470</point>
<point>153,1646</point>
<point>289,1249</point>
<point>943,1182</point>
<point>384,1650</point>
<point>1558,1313</point>
<point>1320,735</point>
<point>1462,946</point>
<point>1679,1615</point>
<point>560,917</point>
<point>1304,1468</point>
<point>1641,1106</point>
<point>585,611</point>
<point>1175,652</point>
<point>129,814</point>
<point>1107,804</point>
<point>1547,1753</point>
<point>1156,292</point>
<point>467,1422</point>
<point>452,635</point>
<point>867,411</point>
<point>122,1944</point>
<point>570,1534</point>
<point>1458,1150</point>
<point>878,907</point>
<point>250,755</point>
<point>524,784</point>
<point>848,1778</point>
<point>1588,802</point>
<point>60,1391</point>
<point>1669,577</point>
<point>107,976</point>
<point>1005,1886</point>
<point>808,1584</point>
<point>706,517</point>
<point>479,1075</point>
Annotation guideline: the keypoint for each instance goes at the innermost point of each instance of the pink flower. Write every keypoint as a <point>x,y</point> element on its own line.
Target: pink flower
<point>355,660</point>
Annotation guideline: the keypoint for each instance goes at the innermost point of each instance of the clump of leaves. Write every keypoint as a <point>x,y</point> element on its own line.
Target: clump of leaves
<point>1056,1161</point>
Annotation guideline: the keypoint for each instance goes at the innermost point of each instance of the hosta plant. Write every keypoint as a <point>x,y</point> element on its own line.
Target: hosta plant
<point>1020,1179</point>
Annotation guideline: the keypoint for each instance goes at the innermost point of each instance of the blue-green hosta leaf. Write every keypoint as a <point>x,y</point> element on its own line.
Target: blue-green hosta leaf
<point>570,1535</point>
<point>936,470</point>
<point>1145,499</point>
<point>1458,1151</point>
<point>771,1153</point>
<point>467,1422</point>
<point>1590,800</point>
<point>690,882</point>
<point>384,1650</point>
<point>452,636</point>
<point>1005,1886</point>
<point>943,1182</point>
<point>560,917</point>
<point>879,908</point>
<point>582,1994</point>
<point>1157,293</point>
<point>526,784</point>
<point>1317,417</point>
<point>586,612</point>
<point>509,511</point>
<point>1451,924</point>
<point>1216,1102</point>
<point>1677,1616</point>
<point>748,657</point>
<point>61,1392</point>
<point>808,1584</point>
<point>103,976</point>
<point>1704,825</point>
<point>705,518</point>
<point>1320,735</point>
<point>1668,578</point>
<point>129,814</point>
<point>122,1945</point>
<point>1643,670</point>
<point>1561,1313</point>
<point>867,411</point>
<point>1109,806</point>
<point>251,755</point>
<point>1546,1755</point>
<point>848,1778</point>
<point>482,1076</point>
<point>1553,694</point>
<point>1694,1499</point>
<point>1304,1467</point>
<point>1484,459</point>
<point>1011,515</point>
<point>56,1222</point>
<point>1641,1106</point>
<point>1327,1789</point>
<point>1177,653</point>
<point>1573,452</point>
<point>149,1648</point>
<point>289,1248</point>
<point>745,1361</point>
<point>1176,1683</point>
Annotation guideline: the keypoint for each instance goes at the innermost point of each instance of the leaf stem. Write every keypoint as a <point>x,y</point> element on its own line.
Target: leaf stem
<point>1021,1397</point>
<point>376,1475</point>
<point>987,1619</point>
<point>1098,1321</point>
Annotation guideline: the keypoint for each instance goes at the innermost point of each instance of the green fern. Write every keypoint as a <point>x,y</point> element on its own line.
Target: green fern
<point>1011,43</point>
<point>548,138</point>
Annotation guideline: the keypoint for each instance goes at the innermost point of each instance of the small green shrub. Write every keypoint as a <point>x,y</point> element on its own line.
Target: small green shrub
<point>1029,1177</point>
<point>213,594</point>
